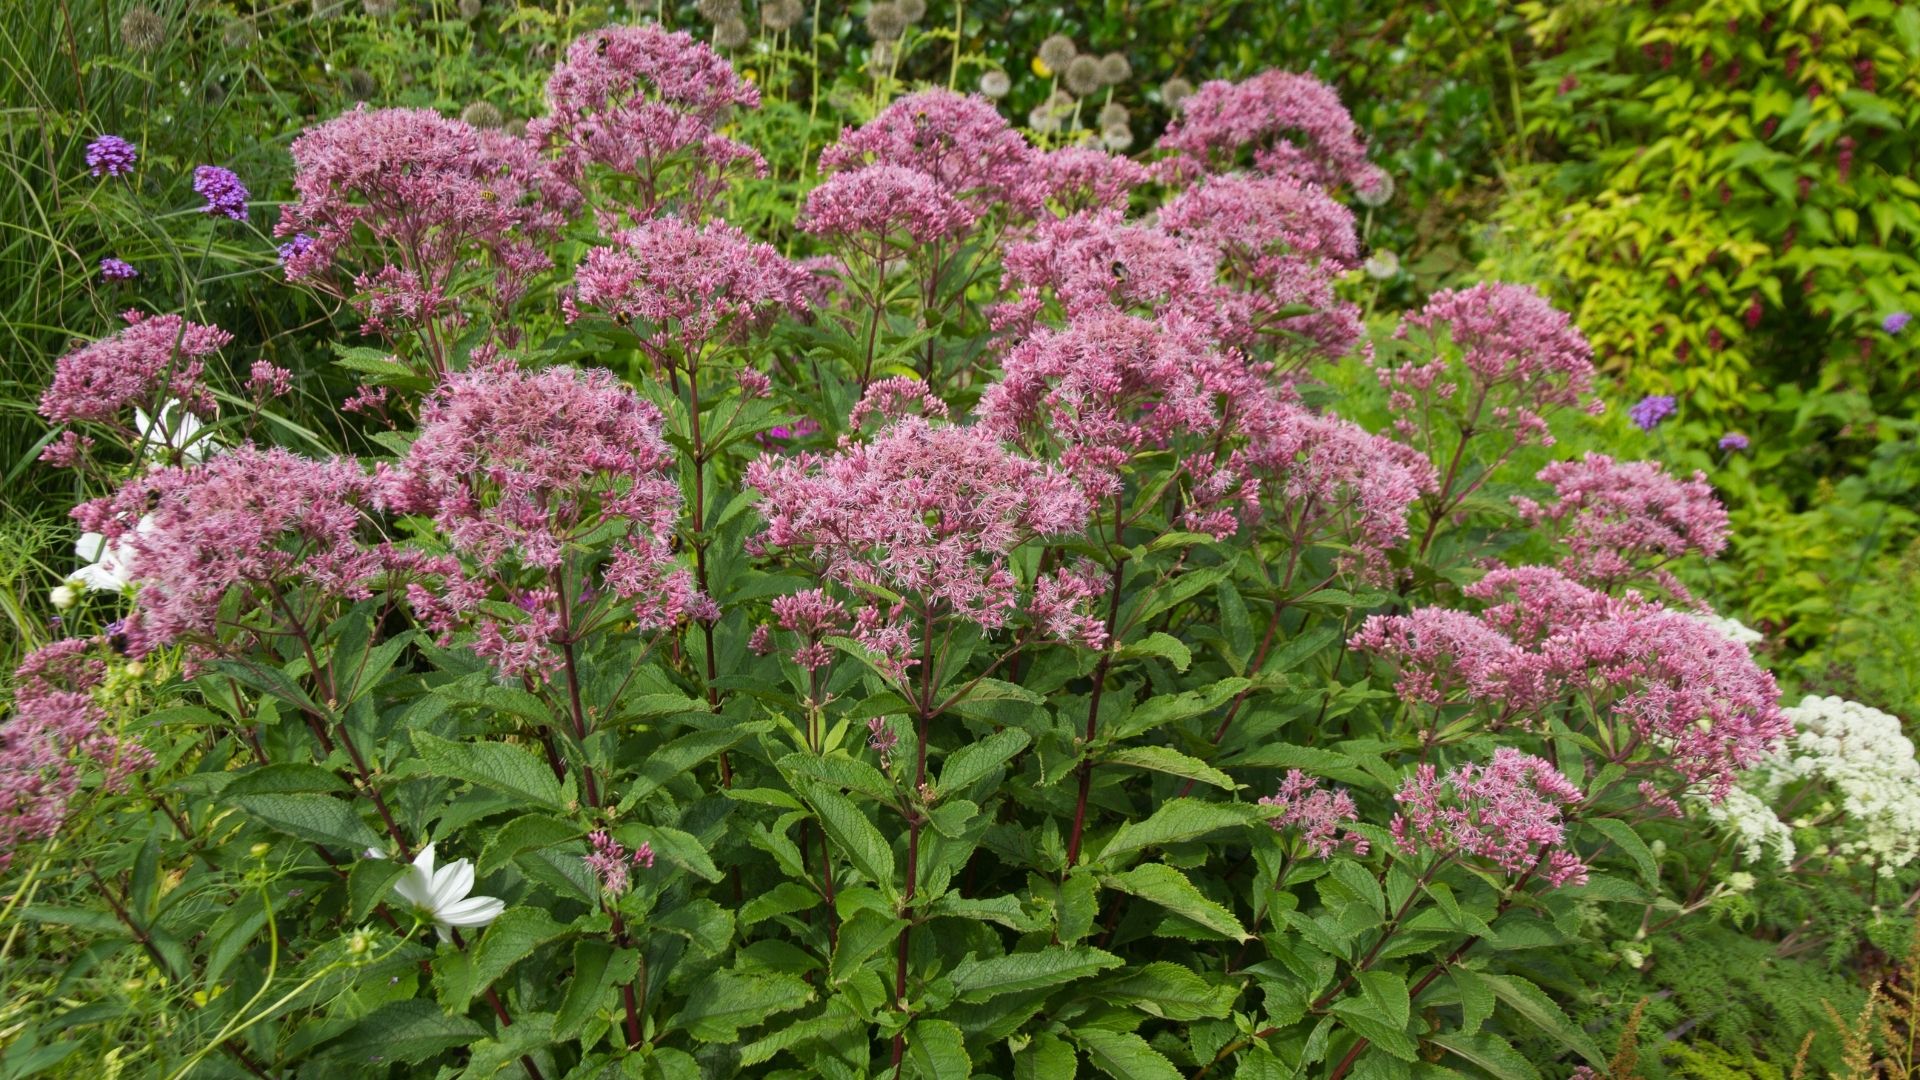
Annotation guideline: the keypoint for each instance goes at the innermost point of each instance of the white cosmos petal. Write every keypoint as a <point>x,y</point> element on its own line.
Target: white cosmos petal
<point>452,884</point>
<point>416,885</point>
<point>473,911</point>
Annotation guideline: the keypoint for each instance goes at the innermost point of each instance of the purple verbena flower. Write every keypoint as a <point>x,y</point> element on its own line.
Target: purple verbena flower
<point>1733,441</point>
<point>1652,410</point>
<point>224,192</point>
<point>111,155</point>
<point>117,270</point>
<point>1895,322</point>
<point>296,247</point>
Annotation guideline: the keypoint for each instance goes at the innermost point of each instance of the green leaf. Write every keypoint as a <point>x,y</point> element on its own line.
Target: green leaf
<point>1169,888</point>
<point>1164,709</point>
<point>680,848</point>
<point>1386,992</point>
<point>524,833</point>
<point>981,980</point>
<point>1631,845</point>
<point>1170,761</point>
<point>719,1006</point>
<point>321,819</point>
<point>867,932</point>
<point>1176,820</point>
<point>977,760</point>
<point>508,769</point>
<point>1491,1055</point>
<point>938,1051</point>
<point>1046,1057</point>
<point>1124,1055</point>
<point>597,968</point>
<point>407,1031</point>
<point>369,882</point>
<point>1535,1007</point>
<point>286,779</point>
<point>1160,646</point>
<point>682,754</point>
<point>510,939</point>
<point>1361,1017</point>
<point>1170,992</point>
<point>1476,998</point>
<point>856,837</point>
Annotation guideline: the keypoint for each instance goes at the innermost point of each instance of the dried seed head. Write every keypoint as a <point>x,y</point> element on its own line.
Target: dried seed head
<point>780,14</point>
<point>1057,52</point>
<point>470,9</point>
<point>995,84</point>
<point>360,85</point>
<point>1083,76</point>
<point>1117,138</point>
<point>730,33</point>
<point>1113,115</point>
<point>1115,69</point>
<point>912,10</point>
<point>238,34</point>
<point>1174,91</point>
<point>885,22</point>
<point>482,114</point>
<point>142,31</point>
<point>378,9</point>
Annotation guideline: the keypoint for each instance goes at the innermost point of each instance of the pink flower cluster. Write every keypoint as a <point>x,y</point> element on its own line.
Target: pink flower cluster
<point>155,358</point>
<point>644,102</point>
<point>961,141</point>
<point>1280,244</point>
<point>1221,120</point>
<point>1521,359</point>
<point>1316,814</point>
<point>515,466</point>
<point>1662,692</point>
<point>1622,519</point>
<point>55,733</point>
<point>1315,478</point>
<point>612,863</point>
<point>1098,261</point>
<point>1080,178</point>
<point>1110,387</point>
<point>267,521</point>
<point>814,615</point>
<point>879,209</point>
<point>924,512</point>
<point>1508,811</point>
<point>404,201</point>
<point>682,286</point>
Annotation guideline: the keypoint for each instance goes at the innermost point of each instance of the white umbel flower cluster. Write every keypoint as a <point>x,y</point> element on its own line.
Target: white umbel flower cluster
<point>1751,822</point>
<point>1732,629</point>
<point>1860,755</point>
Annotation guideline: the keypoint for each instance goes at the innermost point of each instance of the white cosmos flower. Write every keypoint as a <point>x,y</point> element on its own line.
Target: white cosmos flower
<point>104,566</point>
<point>179,432</point>
<point>441,895</point>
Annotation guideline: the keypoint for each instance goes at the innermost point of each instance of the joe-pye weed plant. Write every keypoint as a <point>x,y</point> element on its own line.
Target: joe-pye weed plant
<point>974,644</point>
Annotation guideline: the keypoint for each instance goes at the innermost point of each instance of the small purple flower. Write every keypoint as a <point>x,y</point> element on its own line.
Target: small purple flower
<point>1733,441</point>
<point>1651,410</point>
<point>1895,322</point>
<point>295,248</point>
<point>224,192</point>
<point>111,155</point>
<point>117,270</point>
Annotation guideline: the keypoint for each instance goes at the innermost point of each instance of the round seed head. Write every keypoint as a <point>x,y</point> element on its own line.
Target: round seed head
<point>1083,76</point>
<point>142,31</point>
<point>885,22</point>
<point>1174,91</point>
<point>482,114</point>
<point>730,33</point>
<point>995,84</point>
<point>1115,69</point>
<point>912,10</point>
<point>1057,52</point>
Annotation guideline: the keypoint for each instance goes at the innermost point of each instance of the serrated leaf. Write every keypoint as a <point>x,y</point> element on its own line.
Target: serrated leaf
<point>1167,760</point>
<point>524,833</point>
<point>1046,1057</point>
<point>684,753</point>
<point>1170,992</point>
<point>1165,709</point>
<point>867,932</point>
<point>287,778</point>
<point>981,980</point>
<point>719,1006</point>
<point>1631,845</point>
<point>1535,1007</point>
<point>937,1050</point>
<point>1160,646</point>
<point>976,760</point>
<point>1163,885</point>
<point>406,1031</point>
<point>1386,991</point>
<point>321,819</point>
<point>680,848</point>
<point>855,837</point>
<point>368,883</point>
<point>1124,1055</point>
<point>1491,1055</point>
<point>1177,820</point>
<point>508,769</point>
<point>597,969</point>
<point>510,939</point>
<point>1476,998</point>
